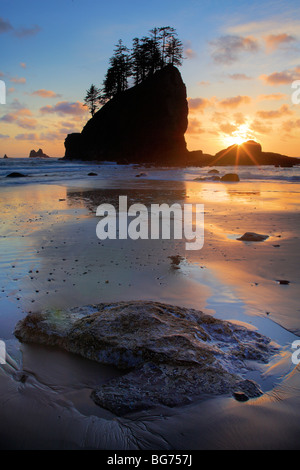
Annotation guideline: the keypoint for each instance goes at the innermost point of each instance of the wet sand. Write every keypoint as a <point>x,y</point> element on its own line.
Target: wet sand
<point>51,258</point>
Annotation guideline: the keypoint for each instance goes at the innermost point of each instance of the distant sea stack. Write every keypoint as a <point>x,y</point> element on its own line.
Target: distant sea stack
<point>38,154</point>
<point>143,124</point>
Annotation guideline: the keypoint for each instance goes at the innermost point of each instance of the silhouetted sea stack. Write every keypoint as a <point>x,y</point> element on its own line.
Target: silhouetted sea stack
<point>144,124</point>
<point>38,154</point>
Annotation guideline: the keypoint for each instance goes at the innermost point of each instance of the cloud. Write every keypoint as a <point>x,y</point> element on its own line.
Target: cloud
<point>9,118</point>
<point>227,128</point>
<point>4,136</point>
<point>268,27</point>
<point>235,101</point>
<point>289,126</point>
<point>45,94</point>
<point>26,32</point>
<point>227,49</point>
<point>65,107</point>
<point>24,112</point>
<point>194,127</point>
<point>239,76</point>
<point>23,65</point>
<point>274,41</point>
<point>18,80</point>
<point>5,26</point>
<point>27,123</point>
<point>282,111</point>
<point>20,118</point>
<point>22,32</point>
<point>285,77</point>
<point>198,104</point>
<point>188,51</point>
<point>31,137</point>
<point>260,127</point>
<point>273,96</point>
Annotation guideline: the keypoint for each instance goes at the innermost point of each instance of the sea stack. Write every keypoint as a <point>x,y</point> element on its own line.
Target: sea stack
<point>38,154</point>
<point>144,124</point>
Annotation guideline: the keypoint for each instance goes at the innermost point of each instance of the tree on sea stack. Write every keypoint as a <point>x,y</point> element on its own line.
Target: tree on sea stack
<point>92,99</point>
<point>147,55</point>
<point>116,79</point>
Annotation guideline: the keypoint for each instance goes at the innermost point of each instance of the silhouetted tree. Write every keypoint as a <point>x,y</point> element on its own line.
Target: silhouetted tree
<point>147,55</point>
<point>166,33</point>
<point>174,51</point>
<point>92,99</point>
<point>116,79</point>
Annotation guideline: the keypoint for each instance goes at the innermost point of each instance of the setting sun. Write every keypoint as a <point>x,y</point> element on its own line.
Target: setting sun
<point>240,135</point>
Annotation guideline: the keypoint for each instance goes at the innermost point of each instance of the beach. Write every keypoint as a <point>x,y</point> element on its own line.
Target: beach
<point>51,258</point>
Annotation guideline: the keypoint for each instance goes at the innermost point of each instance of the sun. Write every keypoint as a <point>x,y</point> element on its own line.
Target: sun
<point>239,136</point>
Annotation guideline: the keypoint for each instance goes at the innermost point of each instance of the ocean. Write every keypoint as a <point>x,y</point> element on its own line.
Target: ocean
<point>57,171</point>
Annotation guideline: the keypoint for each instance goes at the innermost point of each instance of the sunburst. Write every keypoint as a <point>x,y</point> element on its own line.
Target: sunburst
<point>239,136</point>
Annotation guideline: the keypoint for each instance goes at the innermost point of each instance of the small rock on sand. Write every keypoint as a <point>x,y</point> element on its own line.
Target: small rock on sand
<point>230,177</point>
<point>253,237</point>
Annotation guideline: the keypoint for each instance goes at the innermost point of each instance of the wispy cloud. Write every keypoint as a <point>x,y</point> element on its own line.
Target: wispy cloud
<point>285,77</point>
<point>235,101</point>
<point>18,80</point>
<point>21,32</point>
<point>228,49</point>
<point>5,26</point>
<point>45,94</point>
<point>272,96</point>
<point>26,32</point>
<point>189,51</point>
<point>239,76</point>
<point>284,110</point>
<point>65,107</point>
<point>199,104</point>
<point>274,41</point>
<point>32,137</point>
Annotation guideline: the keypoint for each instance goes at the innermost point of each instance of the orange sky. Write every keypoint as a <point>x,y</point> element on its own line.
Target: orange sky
<point>239,68</point>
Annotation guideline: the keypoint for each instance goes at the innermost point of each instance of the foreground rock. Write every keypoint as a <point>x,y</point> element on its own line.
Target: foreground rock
<point>170,355</point>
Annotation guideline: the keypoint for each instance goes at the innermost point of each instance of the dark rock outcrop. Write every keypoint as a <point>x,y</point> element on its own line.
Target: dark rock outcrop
<point>144,124</point>
<point>248,153</point>
<point>38,154</point>
<point>15,174</point>
<point>170,355</point>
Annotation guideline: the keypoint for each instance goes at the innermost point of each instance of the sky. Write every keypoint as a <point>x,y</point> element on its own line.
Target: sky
<point>240,61</point>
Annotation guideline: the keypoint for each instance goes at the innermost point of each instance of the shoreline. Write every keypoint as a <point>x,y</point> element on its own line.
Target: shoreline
<point>54,232</point>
